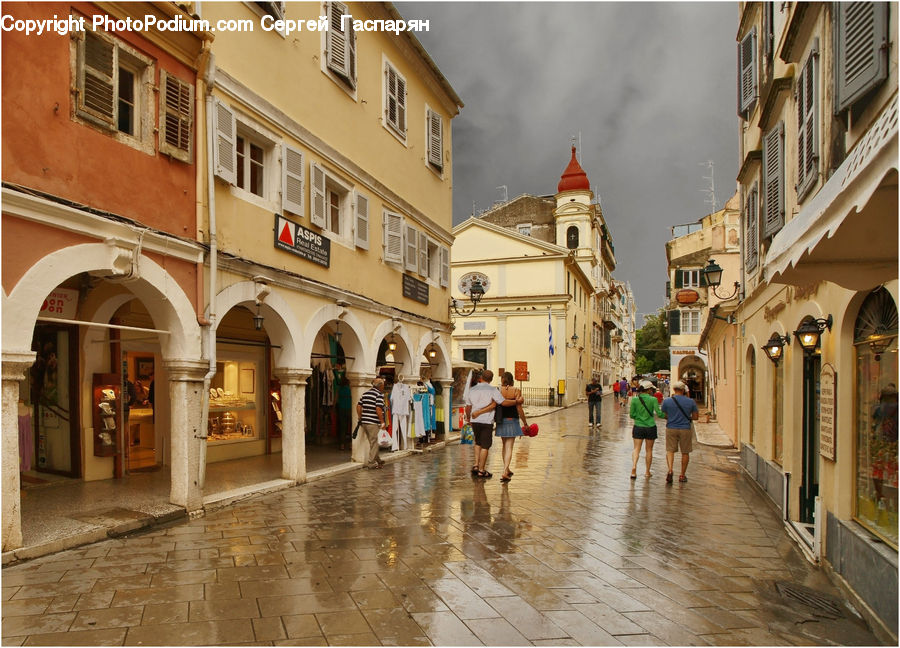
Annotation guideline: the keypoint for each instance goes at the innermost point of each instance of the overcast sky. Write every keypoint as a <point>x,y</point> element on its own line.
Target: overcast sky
<point>650,87</point>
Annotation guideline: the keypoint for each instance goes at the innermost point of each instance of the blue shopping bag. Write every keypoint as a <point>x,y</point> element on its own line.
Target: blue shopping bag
<point>467,436</point>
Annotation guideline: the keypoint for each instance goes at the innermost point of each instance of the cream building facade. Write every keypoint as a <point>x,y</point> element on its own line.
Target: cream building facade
<point>547,262</point>
<point>818,181</point>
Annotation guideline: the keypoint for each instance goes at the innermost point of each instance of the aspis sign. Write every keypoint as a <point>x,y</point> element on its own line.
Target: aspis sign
<point>305,243</point>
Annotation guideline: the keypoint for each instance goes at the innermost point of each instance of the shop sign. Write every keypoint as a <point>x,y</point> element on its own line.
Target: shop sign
<point>827,412</point>
<point>61,303</point>
<point>415,289</point>
<point>292,237</point>
<point>521,370</point>
<point>687,296</point>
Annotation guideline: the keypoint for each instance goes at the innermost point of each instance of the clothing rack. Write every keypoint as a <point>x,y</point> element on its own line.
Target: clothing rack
<point>331,356</point>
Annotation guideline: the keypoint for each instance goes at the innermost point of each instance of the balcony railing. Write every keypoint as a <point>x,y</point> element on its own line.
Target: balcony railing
<point>543,396</point>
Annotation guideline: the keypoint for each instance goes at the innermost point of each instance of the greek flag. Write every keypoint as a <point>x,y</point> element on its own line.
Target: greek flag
<point>550,328</point>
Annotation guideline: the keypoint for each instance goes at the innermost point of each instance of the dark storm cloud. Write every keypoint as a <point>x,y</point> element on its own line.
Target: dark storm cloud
<point>650,87</point>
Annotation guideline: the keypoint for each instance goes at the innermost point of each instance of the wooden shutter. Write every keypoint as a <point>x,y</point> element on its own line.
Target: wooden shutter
<point>423,254</point>
<point>702,278</point>
<point>317,195</point>
<point>98,78</point>
<point>445,266</point>
<point>807,125</point>
<point>751,235</point>
<point>176,116</point>
<point>773,180</point>
<point>362,221</point>
<point>340,43</point>
<point>435,140</point>
<point>747,73</point>
<point>393,237</point>
<point>412,249</point>
<point>679,279</point>
<point>396,99</point>
<point>675,322</point>
<point>668,289</point>
<point>861,50</point>
<point>292,188</point>
<point>225,151</point>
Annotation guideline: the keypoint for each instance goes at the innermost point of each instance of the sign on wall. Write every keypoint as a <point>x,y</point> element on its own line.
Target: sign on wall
<point>61,303</point>
<point>827,412</point>
<point>415,289</point>
<point>521,370</point>
<point>305,243</point>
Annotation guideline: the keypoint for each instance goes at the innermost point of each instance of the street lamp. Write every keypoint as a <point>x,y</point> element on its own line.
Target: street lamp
<point>774,348</point>
<point>810,331</point>
<point>257,319</point>
<point>392,344</point>
<point>476,292</point>
<point>574,339</point>
<point>713,274</point>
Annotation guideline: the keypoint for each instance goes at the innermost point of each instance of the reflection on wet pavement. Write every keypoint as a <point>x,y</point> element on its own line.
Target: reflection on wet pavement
<point>570,552</point>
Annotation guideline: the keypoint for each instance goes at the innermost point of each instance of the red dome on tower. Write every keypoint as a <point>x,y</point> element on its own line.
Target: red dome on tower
<point>573,178</point>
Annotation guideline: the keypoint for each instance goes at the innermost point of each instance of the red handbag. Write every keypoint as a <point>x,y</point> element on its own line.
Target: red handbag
<point>531,430</point>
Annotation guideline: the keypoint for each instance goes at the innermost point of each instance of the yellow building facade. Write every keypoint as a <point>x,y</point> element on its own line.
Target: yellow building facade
<point>818,180</point>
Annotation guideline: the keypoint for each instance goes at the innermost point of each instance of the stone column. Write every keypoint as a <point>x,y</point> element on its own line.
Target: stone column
<point>360,382</point>
<point>15,368</point>
<point>186,394</point>
<point>446,383</point>
<point>293,422</point>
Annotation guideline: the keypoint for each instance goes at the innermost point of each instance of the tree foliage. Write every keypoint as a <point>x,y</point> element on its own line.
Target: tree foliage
<point>652,341</point>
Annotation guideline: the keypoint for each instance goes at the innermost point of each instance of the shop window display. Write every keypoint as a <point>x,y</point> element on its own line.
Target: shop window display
<point>876,415</point>
<point>232,403</point>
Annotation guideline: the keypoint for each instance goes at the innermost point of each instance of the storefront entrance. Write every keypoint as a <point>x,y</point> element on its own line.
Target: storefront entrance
<point>809,484</point>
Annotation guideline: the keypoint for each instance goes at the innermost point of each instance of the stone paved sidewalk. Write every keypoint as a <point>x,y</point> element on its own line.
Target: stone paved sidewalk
<point>570,552</point>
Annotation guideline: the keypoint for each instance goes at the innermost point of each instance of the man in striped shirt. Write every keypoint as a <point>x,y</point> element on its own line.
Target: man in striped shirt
<point>370,410</point>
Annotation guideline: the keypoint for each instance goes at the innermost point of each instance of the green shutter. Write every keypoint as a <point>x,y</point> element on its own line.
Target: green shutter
<point>679,279</point>
<point>675,322</point>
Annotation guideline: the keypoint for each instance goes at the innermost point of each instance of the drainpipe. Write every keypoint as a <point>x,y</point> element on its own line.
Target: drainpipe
<point>209,80</point>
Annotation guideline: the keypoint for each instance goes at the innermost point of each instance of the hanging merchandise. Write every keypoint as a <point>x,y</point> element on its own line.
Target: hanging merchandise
<point>420,405</point>
<point>400,400</point>
<point>432,416</point>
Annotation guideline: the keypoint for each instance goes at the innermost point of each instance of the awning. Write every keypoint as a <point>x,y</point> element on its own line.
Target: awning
<point>847,232</point>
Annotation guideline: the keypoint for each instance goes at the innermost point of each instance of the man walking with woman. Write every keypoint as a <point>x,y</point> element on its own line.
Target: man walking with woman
<point>679,411</point>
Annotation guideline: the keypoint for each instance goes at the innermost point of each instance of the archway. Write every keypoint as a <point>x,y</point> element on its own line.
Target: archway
<point>692,372</point>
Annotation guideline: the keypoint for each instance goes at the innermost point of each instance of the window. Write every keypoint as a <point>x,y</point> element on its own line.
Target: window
<point>176,117</point>
<point>524,229</point>
<point>773,180</point>
<point>395,100</point>
<point>392,237</point>
<point>875,338</point>
<point>110,77</point>
<point>861,58</point>
<point>337,209</point>
<point>245,157</point>
<point>807,96</point>
<point>340,44</point>
<point>572,237</point>
<point>434,140</point>
<point>691,278</point>
<point>748,80</point>
<point>690,322</point>
<point>250,166</point>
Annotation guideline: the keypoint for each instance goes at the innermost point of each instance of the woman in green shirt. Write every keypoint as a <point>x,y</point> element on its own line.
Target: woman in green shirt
<point>644,410</point>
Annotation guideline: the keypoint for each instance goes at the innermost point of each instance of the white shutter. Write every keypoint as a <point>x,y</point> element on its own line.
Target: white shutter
<point>401,104</point>
<point>292,180</point>
<point>98,78</point>
<point>423,254</point>
<point>393,237</point>
<point>747,73</point>
<point>773,180</point>
<point>340,43</point>
<point>412,249</point>
<point>176,116</point>
<point>362,221</point>
<point>396,99</point>
<point>445,266</point>
<point>225,151</point>
<point>317,195</point>
<point>435,139</point>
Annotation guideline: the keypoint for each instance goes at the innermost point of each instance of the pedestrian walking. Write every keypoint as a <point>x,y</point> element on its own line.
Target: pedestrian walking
<point>616,387</point>
<point>370,410</point>
<point>594,393</point>
<point>482,399</point>
<point>623,390</point>
<point>508,428</point>
<point>679,411</point>
<point>644,410</point>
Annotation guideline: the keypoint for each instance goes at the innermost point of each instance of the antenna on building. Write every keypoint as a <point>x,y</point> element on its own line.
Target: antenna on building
<point>505,195</point>
<point>711,192</point>
<point>473,209</point>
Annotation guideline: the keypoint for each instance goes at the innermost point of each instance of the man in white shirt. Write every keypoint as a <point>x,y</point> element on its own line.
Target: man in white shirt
<point>480,397</point>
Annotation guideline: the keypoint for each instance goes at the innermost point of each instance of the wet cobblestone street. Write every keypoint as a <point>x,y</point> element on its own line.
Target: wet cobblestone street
<point>570,552</point>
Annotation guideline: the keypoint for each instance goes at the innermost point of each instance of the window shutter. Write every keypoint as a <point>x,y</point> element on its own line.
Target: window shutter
<point>225,151</point>
<point>401,104</point>
<point>445,266</point>
<point>752,234</point>
<point>412,249</point>
<point>668,289</point>
<point>807,125</point>
<point>679,279</point>
<point>773,180</point>
<point>362,221</point>
<point>393,237</point>
<point>337,43</point>
<point>747,73</point>
<point>317,195</point>
<point>702,281</point>
<point>423,254</point>
<point>99,77</point>
<point>396,100</point>
<point>675,322</point>
<point>176,117</point>
<point>292,180</point>
<point>861,53</point>
<point>435,139</point>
